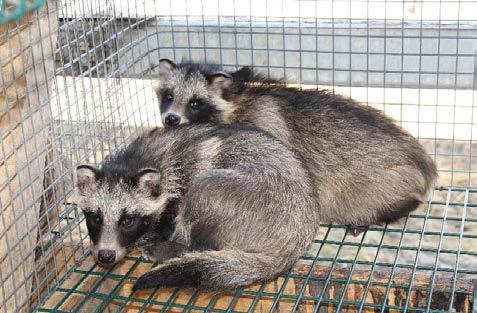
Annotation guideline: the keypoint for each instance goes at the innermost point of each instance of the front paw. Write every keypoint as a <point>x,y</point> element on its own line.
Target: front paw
<point>146,256</point>
<point>162,252</point>
<point>152,254</point>
<point>355,231</point>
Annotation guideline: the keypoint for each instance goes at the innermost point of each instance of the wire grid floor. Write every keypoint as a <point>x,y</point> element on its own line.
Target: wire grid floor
<point>413,266</point>
<point>383,47</point>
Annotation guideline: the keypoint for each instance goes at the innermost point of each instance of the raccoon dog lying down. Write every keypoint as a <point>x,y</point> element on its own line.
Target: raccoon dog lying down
<point>366,169</point>
<point>246,210</point>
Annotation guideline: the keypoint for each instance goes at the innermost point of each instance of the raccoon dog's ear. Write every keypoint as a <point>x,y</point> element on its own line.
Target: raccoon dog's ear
<point>156,86</point>
<point>86,176</point>
<point>219,80</point>
<point>166,66</point>
<point>148,181</point>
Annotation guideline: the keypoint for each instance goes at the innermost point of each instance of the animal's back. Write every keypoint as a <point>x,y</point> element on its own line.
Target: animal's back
<point>364,166</point>
<point>247,209</point>
<point>366,170</point>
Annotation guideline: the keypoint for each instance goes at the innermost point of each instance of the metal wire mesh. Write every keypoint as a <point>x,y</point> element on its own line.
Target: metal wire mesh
<point>76,85</point>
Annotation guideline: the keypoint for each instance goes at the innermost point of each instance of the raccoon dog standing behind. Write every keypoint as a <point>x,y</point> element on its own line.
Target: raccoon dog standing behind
<point>246,209</point>
<point>366,169</point>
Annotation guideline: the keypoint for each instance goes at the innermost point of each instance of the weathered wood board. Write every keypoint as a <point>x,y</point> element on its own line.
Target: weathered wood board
<point>90,288</point>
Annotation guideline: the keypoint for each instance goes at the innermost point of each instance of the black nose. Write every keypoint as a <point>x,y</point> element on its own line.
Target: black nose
<point>106,256</point>
<point>172,119</point>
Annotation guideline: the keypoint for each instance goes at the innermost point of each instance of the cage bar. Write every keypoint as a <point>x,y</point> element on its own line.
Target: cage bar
<point>75,85</point>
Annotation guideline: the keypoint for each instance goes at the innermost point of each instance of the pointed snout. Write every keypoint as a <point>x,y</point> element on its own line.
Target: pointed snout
<point>106,257</point>
<point>172,119</point>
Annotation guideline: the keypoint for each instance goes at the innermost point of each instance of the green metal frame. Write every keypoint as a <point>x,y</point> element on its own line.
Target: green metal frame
<point>321,299</point>
<point>19,10</point>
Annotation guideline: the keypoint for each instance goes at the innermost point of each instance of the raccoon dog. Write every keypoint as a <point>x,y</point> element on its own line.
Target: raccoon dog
<point>246,210</point>
<point>366,169</point>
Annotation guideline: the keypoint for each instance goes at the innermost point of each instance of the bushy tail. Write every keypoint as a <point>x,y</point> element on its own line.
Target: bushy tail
<point>216,270</point>
<point>427,167</point>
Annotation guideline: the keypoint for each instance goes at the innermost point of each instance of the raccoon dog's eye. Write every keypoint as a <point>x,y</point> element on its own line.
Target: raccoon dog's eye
<point>128,222</point>
<point>169,97</point>
<point>94,219</point>
<point>195,104</point>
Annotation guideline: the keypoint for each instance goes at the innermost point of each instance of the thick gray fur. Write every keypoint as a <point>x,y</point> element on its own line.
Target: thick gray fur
<point>365,169</point>
<point>246,210</point>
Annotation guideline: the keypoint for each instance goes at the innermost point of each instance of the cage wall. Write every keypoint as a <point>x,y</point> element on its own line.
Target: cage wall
<point>413,60</point>
<point>76,85</point>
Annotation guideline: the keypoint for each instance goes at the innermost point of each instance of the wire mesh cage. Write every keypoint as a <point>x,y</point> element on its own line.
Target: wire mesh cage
<point>76,85</point>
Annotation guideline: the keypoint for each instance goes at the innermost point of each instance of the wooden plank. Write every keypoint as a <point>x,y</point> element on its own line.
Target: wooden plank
<point>398,292</point>
<point>263,297</point>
